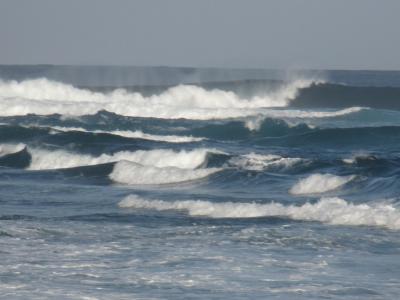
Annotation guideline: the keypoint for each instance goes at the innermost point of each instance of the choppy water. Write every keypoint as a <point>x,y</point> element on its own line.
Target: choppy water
<point>162,183</point>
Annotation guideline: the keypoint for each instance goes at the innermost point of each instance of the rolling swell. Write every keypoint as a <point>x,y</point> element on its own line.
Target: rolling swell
<point>339,96</point>
<point>385,137</point>
<point>238,130</point>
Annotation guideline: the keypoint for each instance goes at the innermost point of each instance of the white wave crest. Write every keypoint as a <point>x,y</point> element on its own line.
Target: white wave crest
<point>334,211</point>
<point>58,159</point>
<point>6,149</point>
<point>136,134</point>
<point>42,96</point>
<point>259,162</point>
<point>319,183</point>
<point>132,173</point>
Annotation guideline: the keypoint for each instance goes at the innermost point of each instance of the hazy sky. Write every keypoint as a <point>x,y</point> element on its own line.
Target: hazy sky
<point>339,34</point>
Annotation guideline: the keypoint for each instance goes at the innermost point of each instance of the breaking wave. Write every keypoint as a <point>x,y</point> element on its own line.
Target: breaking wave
<point>319,183</point>
<point>132,173</point>
<point>335,211</point>
<point>60,159</point>
<point>44,97</point>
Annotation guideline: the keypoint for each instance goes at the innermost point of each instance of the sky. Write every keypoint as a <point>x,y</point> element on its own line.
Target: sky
<point>282,34</point>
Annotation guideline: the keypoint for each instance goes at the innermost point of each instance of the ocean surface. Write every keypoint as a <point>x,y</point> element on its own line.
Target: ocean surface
<point>181,183</point>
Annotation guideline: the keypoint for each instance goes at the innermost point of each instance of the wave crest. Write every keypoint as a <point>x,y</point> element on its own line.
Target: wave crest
<point>334,211</point>
<point>59,159</point>
<point>132,173</point>
<point>259,162</point>
<point>319,183</point>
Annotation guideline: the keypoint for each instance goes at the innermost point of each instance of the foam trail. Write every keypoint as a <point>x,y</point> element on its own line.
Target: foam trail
<point>319,183</point>
<point>259,162</point>
<point>44,97</point>
<point>132,173</point>
<point>6,149</point>
<point>58,159</point>
<point>136,134</point>
<point>334,211</point>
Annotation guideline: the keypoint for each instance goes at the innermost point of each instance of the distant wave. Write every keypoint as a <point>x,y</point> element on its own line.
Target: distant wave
<point>44,97</point>
<point>339,96</point>
<point>334,211</point>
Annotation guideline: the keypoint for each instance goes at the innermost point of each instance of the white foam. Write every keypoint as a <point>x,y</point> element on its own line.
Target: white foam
<point>327,210</point>
<point>319,183</point>
<point>254,124</point>
<point>259,162</point>
<point>42,96</point>
<point>132,173</point>
<point>6,149</point>
<point>358,155</point>
<point>349,161</point>
<point>58,159</point>
<point>136,134</point>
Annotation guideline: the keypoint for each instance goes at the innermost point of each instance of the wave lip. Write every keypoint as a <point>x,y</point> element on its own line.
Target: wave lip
<point>335,211</point>
<point>132,173</point>
<point>6,149</point>
<point>319,183</point>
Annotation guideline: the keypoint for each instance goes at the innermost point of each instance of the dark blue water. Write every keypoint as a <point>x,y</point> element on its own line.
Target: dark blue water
<point>168,183</point>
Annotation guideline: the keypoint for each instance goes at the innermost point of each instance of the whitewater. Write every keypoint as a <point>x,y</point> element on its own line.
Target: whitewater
<point>225,186</point>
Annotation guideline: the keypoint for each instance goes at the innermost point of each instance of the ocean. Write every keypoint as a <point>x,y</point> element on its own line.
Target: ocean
<point>184,183</point>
